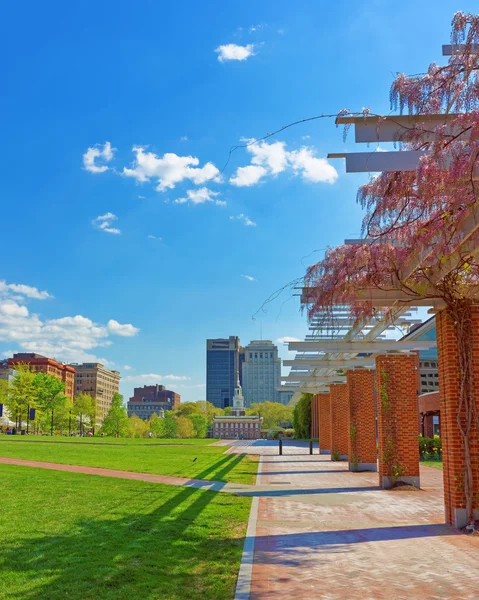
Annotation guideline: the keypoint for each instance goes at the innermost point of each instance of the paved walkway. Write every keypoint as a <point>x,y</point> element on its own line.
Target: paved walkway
<point>336,535</point>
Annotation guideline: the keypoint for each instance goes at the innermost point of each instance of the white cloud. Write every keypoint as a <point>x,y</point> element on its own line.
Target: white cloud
<point>184,138</point>
<point>126,330</point>
<point>235,52</point>
<point>127,368</point>
<point>105,153</point>
<point>310,168</point>
<point>246,176</point>
<point>200,196</point>
<point>22,290</point>
<point>70,339</point>
<point>244,219</point>
<point>154,237</point>
<point>272,159</point>
<point>169,169</point>
<point>286,339</point>
<point>153,378</point>
<point>249,278</point>
<point>103,222</point>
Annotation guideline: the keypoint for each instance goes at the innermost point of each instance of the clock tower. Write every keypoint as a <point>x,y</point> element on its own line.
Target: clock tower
<point>238,409</point>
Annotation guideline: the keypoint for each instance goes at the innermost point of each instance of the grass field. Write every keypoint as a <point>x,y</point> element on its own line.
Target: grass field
<point>109,440</point>
<point>211,462</point>
<point>76,536</point>
<point>437,464</point>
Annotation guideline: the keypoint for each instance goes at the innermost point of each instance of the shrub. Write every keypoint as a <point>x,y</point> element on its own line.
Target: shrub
<point>430,448</point>
<point>302,417</point>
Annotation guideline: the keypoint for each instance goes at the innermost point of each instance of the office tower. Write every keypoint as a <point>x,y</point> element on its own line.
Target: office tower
<point>261,372</point>
<point>223,366</point>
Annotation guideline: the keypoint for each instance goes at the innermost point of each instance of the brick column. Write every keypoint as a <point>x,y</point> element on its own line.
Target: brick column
<point>398,448</point>
<point>339,419</point>
<point>324,423</point>
<point>452,444</point>
<point>362,420</point>
<point>314,417</point>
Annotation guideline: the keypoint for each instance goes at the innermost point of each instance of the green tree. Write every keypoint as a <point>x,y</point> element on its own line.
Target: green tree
<point>184,427</point>
<point>170,426</point>
<point>227,411</point>
<point>116,421</point>
<point>186,409</point>
<point>61,416</point>
<point>82,409</point>
<point>155,425</point>
<point>138,427</point>
<point>22,392</point>
<point>274,414</point>
<point>200,425</point>
<point>302,417</point>
<point>49,393</point>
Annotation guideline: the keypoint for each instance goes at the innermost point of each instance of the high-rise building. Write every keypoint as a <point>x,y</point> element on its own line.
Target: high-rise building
<point>99,382</point>
<point>261,372</point>
<point>151,399</point>
<point>223,365</point>
<point>40,363</point>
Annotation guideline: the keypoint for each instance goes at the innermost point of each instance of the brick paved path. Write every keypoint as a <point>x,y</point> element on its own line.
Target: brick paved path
<point>337,536</point>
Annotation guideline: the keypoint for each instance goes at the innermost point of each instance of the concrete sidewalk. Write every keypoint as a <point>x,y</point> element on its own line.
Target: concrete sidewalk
<point>336,535</point>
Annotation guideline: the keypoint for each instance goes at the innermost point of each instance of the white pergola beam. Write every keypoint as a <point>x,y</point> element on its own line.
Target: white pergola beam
<point>361,347</point>
<point>331,364</point>
<point>395,127</point>
<point>315,378</point>
<point>373,162</point>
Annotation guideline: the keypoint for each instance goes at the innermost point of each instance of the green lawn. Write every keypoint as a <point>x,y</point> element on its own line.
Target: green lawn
<point>437,464</point>
<point>211,462</point>
<point>75,536</point>
<point>110,440</point>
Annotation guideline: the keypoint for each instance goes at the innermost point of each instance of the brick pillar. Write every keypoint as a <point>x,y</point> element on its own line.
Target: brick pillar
<point>398,448</point>
<point>324,423</point>
<point>339,419</point>
<point>452,444</point>
<point>362,420</point>
<point>314,417</point>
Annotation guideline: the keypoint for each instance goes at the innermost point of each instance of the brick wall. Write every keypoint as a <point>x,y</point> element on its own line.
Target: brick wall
<point>453,448</point>
<point>324,422</point>
<point>339,418</point>
<point>362,420</point>
<point>398,449</point>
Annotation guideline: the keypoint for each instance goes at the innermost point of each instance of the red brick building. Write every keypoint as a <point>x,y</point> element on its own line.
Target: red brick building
<point>151,399</point>
<point>42,364</point>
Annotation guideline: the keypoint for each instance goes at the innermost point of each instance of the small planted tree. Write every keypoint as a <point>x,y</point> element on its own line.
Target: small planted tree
<point>22,393</point>
<point>116,421</point>
<point>49,393</point>
<point>82,409</point>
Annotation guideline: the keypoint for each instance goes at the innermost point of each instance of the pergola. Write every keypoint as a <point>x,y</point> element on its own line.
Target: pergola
<point>336,362</point>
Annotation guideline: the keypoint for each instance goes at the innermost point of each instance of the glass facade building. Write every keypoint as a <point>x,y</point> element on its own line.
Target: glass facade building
<point>223,367</point>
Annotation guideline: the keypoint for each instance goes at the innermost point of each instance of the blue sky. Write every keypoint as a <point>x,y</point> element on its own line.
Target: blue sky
<point>117,119</point>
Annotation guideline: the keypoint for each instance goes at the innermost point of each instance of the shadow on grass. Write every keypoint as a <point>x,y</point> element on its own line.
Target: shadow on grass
<point>144,547</point>
<point>165,553</point>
